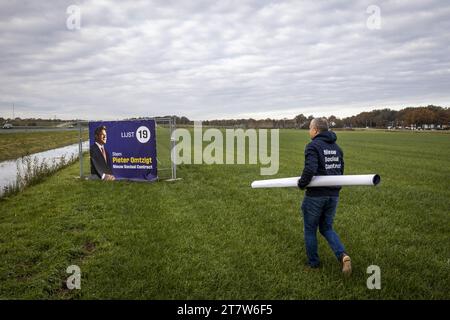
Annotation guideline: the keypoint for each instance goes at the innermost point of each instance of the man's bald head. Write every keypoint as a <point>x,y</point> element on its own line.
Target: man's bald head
<point>317,126</point>
<point>321,124</point>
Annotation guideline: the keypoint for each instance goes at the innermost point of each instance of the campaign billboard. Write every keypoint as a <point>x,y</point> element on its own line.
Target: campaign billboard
<point>123,150</point>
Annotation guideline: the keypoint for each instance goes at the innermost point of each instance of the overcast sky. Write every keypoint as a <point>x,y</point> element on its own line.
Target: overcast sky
<point>221,59</point>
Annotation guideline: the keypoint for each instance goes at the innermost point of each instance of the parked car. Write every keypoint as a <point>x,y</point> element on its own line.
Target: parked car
<point>7,126</point>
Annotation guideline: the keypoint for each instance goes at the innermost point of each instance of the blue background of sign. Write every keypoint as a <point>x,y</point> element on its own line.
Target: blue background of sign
<point>129,147</point>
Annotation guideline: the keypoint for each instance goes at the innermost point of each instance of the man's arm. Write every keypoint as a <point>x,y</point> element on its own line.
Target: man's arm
<point>341,159</point>
<point>108,176</point>
<point>310,169</point>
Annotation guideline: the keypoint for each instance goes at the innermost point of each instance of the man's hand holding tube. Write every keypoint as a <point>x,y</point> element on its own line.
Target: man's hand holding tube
<point>300,185</point>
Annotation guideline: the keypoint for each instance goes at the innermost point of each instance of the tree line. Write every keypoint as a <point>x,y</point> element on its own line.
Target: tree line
<point>429,117</point>
<point>410,118</point>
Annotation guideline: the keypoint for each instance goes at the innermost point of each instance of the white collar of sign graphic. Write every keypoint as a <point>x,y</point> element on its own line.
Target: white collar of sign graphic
<point>99,145</point>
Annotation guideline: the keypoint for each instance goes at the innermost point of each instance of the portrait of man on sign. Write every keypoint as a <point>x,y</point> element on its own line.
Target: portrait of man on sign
<point>100,159</point>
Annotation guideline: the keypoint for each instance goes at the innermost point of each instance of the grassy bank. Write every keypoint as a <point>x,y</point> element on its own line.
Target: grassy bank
<point>15,145</point>
<point>210,236</point>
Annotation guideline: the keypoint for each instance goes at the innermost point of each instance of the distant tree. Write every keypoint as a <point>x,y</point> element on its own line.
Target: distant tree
<point>308,121</point>
<point>185,120</point>
<point>335,122</point>
<point>300,121</point>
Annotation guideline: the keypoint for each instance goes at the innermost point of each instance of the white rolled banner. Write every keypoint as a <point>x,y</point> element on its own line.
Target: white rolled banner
<point>321,181</point>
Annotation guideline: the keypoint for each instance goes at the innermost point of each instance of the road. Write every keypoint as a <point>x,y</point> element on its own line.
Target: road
<point>36,129</point>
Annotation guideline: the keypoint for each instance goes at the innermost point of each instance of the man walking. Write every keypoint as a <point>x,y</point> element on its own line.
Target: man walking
<point>323,157</point>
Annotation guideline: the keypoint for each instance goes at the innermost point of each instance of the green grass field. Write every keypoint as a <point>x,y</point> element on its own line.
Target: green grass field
<point>210,236</point>
<point>19,144</point>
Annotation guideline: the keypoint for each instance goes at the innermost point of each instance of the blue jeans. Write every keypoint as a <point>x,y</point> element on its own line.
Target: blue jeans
<point>319,212</point>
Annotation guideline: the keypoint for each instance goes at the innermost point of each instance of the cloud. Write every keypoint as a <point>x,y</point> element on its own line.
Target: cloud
<point>221,59</point>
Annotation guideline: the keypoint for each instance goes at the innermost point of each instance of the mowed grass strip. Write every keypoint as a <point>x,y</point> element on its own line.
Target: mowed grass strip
<point>19,144</point>
<point>210,236</point>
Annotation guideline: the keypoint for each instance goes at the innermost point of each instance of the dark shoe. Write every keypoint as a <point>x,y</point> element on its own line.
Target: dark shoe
<point>311,267</point>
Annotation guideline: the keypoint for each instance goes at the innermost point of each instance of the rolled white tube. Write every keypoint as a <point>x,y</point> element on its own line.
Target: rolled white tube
<point>321,181</point>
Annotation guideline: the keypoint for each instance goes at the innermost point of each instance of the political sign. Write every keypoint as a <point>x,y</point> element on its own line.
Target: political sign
<point>125,150</point>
